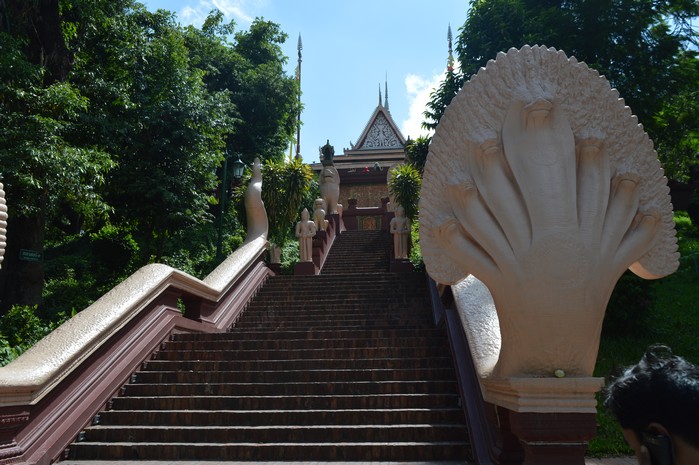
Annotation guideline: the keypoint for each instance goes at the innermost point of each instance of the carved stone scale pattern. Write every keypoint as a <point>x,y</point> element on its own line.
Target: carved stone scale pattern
<point>541,183</point>
<point>381,135</point>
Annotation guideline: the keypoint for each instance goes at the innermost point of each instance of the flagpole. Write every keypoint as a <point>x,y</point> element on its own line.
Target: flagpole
<point>298,122</point>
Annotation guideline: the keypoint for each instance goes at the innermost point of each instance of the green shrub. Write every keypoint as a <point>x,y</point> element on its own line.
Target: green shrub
<point>671,319</point>
<point>404,185</point>
<point>20,328</point>
<point>69,293</point>
<point>113,248</point>
<point>684,224</point>
<point>415,251</point>
<point>194,250</point>
<point>629,306</point>
<point>693,209</point>
<point>290,256</point>
<point>7,352</point>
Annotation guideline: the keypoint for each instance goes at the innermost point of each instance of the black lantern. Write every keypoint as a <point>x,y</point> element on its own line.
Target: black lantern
<point>238,168</point>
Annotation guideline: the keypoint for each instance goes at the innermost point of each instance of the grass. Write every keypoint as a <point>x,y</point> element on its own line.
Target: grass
<point>672,319</point>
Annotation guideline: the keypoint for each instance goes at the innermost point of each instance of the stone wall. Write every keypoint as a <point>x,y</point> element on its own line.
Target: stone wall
<point>367,195</point>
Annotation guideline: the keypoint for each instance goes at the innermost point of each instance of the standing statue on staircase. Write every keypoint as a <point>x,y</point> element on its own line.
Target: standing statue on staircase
<point>400,228</point>
<point>329,181</point>
<point>319,215</point>
<point>305,230</point>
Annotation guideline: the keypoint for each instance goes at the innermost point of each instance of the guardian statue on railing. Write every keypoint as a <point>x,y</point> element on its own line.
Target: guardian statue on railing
<point>542,184</point>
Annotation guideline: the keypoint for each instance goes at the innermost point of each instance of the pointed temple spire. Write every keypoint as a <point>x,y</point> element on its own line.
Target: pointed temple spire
<point>380,98</point>
<point>298,123</point>
<point>450,62</point>
<point>386,98</point>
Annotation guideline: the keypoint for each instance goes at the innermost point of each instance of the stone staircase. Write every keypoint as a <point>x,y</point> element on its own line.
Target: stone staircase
<point>334,367</point>
<point>359,252</point>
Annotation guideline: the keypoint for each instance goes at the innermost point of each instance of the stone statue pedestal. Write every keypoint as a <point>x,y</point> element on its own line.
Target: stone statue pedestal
<point>401,265</point>
<point>543,395</point>
<point>305,268</point>
<point>275,267</point>
<point>530,438</point>
<point>543,420</point>
<point>532,420</point>
<point>322,242</point>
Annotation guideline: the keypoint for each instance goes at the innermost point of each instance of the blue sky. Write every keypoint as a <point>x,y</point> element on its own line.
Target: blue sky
<point>350,48</point>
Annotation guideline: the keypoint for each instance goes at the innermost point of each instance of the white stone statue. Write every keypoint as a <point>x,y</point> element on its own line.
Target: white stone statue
<point>258,223</point>
<point>330,188</point>
<point>275,253</point>
<point>305,230</point>
<point>400,228</point>
<point>319,215</point>
<point>542,184</point>
<point>3,223</point>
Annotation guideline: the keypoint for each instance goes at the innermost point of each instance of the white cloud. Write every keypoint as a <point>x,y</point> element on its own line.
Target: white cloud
<point>235,8</point>
<point>242,11</point>
<point>192,15</point>
<point>419,89</point>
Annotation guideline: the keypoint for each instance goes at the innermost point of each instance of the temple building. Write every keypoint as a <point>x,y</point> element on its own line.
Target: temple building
<point>364,167</point>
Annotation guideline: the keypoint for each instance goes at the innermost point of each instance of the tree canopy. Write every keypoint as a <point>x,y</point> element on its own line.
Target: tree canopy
<point>111,114</point>
<point>647,49</point>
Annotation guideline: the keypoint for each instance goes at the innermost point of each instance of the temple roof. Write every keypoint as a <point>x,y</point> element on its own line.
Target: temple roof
<point>380,146</point>
<point>380,133</point>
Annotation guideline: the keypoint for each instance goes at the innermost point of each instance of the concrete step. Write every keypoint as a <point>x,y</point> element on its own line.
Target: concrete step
<point>385,332</point>
<point>291,344</point>
<point>313,364</point>
<point>278,417</point>
<point>277,452</point>
<point>333,367</point>
<point>287,433</point>
<point>304,375</point>
<point>278,388</point>
<point>303,354</point>
<point>292,402</point>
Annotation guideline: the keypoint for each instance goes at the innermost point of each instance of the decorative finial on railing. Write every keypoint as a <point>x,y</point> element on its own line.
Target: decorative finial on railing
<point>258,224</point>
<point>3,223</point>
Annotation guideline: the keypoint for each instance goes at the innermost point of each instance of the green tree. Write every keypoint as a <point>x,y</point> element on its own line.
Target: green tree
<point>45,165</point>
<point>404,185</point>
<point>675,127</point>
<point>111,114</point>
<point>165,128</point>
<point>251,69</point>
<point>441,97</point>
<point>416,152</point>
<point>266,96</point>
<point>646,48</point>
<point>284,188</point>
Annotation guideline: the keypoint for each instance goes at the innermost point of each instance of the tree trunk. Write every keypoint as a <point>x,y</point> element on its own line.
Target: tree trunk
<point>40,22</point>
<point>22,273</point>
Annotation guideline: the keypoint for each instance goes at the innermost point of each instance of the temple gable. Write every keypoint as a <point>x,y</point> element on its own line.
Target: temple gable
<point>380,133</point>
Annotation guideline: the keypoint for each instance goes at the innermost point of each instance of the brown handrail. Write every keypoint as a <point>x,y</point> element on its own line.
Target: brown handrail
<point>480,436</point>
<point>52,391</point>
<point>42,410</point>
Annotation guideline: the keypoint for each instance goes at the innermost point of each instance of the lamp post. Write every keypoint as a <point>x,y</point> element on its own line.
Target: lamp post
<point>238,169</point>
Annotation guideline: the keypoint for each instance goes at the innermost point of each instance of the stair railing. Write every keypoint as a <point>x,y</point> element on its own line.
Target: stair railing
<point>483,443</point>
<point>53,390</point>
